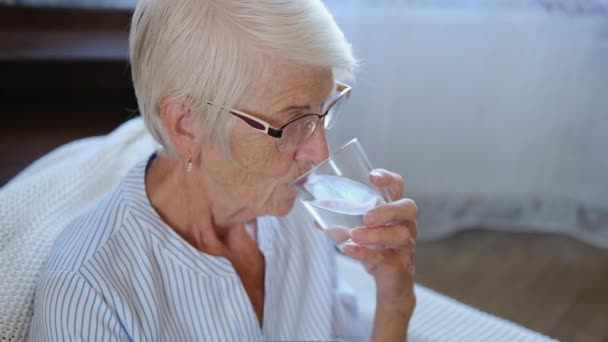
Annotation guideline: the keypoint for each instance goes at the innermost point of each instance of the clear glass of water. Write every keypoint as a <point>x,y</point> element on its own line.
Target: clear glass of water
<point>337,192</point>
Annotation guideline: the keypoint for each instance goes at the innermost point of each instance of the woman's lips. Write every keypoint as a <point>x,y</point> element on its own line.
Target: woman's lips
<point>301,170</point>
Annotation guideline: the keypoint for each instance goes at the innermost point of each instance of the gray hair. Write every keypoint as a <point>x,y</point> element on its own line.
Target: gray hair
<point>212,50</point>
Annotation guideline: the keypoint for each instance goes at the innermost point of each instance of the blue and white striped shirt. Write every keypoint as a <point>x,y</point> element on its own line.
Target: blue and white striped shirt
<point>120,273</point>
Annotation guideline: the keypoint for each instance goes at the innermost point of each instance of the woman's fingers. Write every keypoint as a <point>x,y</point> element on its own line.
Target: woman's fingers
<point>389,236</point>
<point>371,259</point>
<point>387,259</point>
<point>404,210</point>
<point>389,182</point>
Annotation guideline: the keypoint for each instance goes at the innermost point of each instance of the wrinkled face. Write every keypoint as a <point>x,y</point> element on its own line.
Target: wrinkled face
<point>256,180</point>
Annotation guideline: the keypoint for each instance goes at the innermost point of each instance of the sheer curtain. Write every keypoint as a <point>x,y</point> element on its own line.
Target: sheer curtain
<point>496,113</point>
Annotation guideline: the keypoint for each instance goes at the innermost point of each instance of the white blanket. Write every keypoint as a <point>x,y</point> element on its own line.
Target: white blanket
<point>437,317</point>
<point>40,201</point>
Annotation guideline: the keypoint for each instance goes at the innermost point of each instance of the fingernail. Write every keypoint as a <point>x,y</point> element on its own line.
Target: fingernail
<point>370,219</point>
<point>347,248</point>
<point>376,174</point>
<point>358,234</point>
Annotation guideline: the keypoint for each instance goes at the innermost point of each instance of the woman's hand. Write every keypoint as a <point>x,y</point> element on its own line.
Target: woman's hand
<point>386,246</point>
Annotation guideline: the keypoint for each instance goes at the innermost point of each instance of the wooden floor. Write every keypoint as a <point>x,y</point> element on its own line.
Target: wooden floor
<point>551,284</point>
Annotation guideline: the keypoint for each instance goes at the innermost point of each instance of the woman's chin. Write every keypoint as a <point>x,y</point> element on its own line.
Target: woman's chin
<point>282,207</point>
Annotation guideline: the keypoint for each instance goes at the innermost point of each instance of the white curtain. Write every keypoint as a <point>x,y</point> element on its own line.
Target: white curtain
<point>496,113</point>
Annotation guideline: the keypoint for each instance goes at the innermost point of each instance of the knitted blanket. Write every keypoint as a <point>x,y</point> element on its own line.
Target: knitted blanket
<point>45,197</point>
<point>54,190</point>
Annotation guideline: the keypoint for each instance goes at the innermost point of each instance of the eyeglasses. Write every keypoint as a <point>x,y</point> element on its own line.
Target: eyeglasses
<point>297,131</point>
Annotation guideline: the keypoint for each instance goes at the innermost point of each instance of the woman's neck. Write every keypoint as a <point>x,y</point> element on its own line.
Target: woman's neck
<point>183,201</point>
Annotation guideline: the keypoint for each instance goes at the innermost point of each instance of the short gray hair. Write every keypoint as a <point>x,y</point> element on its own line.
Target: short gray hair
<point>207,50</point>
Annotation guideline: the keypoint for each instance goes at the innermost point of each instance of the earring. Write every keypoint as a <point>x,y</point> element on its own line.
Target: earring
<point>189,164</point>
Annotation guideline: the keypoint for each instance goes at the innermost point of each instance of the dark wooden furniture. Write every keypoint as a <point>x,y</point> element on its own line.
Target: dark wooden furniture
<point>64,57</point>
<point>65,75</point>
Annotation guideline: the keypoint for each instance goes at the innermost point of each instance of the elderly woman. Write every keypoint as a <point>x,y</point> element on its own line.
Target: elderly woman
<point>203,240</point>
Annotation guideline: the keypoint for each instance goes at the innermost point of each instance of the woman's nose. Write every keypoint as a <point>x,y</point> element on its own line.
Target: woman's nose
<point>315,149</point>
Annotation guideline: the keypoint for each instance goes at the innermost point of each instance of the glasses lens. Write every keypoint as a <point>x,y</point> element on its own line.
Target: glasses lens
<point>334,112</point>
<point>297,132</point>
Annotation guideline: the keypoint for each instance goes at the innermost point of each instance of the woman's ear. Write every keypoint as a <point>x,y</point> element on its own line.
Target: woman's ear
<point>182,126</point>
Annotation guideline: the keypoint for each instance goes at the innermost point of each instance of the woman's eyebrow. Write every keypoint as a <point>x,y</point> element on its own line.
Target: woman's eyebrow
<point>291,108</point>
<point>294,110</point>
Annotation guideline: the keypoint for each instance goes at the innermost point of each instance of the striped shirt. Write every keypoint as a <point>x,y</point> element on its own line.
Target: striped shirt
<point>119,272</point>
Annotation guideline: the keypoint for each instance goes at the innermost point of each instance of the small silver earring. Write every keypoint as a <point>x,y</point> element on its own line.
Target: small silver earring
<point>189,165</point>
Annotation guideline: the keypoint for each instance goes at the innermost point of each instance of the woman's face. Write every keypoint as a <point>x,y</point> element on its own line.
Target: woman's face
<point>255,180</point>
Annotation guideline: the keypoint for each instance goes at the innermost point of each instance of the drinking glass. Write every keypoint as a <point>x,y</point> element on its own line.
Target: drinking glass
<point>337,192</point>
